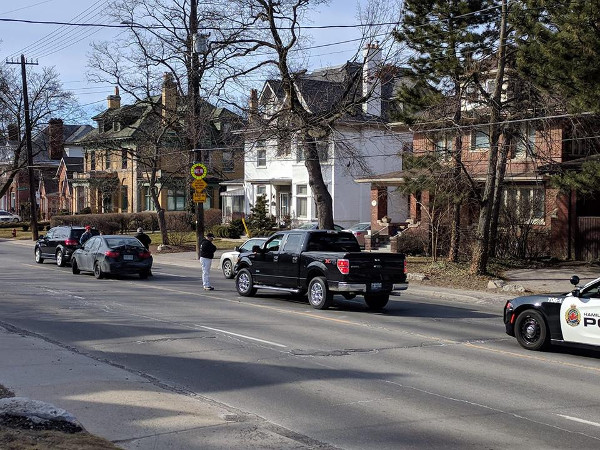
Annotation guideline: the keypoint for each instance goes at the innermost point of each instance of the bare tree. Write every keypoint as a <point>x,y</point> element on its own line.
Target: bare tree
<point>46,99</point>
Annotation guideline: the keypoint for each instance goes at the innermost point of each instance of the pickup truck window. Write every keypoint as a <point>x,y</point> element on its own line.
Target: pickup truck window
<point>293,244</point>
<point>273,244</point>
<point>325,242</point>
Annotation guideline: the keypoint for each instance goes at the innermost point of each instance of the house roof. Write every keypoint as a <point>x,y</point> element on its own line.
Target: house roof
<point>41,142</point>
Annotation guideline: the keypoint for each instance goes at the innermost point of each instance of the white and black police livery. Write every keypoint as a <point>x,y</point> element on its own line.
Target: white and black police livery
<point>566,319</point>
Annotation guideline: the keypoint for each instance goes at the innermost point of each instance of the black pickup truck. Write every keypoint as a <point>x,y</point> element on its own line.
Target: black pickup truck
<point>320,263</point>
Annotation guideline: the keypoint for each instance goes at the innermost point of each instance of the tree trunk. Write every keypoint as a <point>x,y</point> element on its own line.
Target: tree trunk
<point>498,190</point>
<point>319,189</point>
<point>481,248</point>
<point>457,202</point>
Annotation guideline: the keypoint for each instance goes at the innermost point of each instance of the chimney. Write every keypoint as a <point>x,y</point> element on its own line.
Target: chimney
<point>371,79</point>
<point>55,138</point>
<point>114,101</point>
<point>253,106</point>
<point>169,97</point>
<point>13,132</point>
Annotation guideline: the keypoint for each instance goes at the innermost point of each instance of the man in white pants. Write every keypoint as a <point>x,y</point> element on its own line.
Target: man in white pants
<point>207,253</point>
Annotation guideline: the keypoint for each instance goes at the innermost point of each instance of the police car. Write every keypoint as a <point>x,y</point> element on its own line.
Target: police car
<point>564,319</point>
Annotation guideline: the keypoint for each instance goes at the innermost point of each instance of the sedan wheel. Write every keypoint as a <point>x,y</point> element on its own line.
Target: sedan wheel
<point>244,283</point>
<point>98,271</point>
<point>227,269</point>
<point>319,295</point>
<point>75,268</point>
<point>531,330</point>
<point>38,256</point>
<point>60,258</point>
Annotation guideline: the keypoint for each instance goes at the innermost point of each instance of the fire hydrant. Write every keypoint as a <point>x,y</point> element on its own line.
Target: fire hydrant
<point>14,232</point>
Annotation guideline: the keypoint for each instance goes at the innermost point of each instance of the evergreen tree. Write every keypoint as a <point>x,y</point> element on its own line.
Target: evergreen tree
<point>446,36</point>
<point>260,222</point>
<point>560,48</point>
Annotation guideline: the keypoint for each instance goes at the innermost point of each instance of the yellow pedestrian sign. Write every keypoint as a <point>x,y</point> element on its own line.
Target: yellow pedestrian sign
<point>199,184</point>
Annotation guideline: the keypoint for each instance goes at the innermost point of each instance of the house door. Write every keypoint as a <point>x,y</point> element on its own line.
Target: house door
<point>284,206</point>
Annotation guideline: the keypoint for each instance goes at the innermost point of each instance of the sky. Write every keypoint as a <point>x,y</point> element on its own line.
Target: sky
<point>67,48</point>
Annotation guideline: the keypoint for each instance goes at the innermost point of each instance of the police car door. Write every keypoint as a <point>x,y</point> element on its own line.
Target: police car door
<point>580,316</point>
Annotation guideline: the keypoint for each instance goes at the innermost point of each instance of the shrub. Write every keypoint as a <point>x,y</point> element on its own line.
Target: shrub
<point>178,226</point>
<point>414,241</point>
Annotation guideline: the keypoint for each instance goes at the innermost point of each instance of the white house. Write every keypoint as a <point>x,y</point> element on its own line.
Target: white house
<point>361,144</point>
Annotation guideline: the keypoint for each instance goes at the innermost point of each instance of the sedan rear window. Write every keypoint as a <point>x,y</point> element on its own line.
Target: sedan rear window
<point>120,242</point>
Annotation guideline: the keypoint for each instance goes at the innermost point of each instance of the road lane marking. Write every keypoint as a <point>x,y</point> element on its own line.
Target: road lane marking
<point>243,336</point>
<point>169,274</point>
<point>576,419</point>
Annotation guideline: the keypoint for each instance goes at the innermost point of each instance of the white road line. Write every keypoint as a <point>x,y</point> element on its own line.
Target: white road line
<point>169,274</point>
<point>575,419</point>
<point>243,336</point>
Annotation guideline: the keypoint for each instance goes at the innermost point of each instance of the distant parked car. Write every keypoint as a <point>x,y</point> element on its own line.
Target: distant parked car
<point>59,244</point>
<point>229,259</point>
<point>112,255</point>
<point>360,230</point>
<point>315,226</point>
<point>6,216</point>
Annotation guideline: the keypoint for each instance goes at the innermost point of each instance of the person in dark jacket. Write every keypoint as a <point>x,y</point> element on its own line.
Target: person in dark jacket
<point>143,238</point>
<point>207,253</point>
<point>86,235</point>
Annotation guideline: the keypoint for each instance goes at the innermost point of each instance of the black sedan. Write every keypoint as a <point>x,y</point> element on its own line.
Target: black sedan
<point>571,318</point>
<point>112,255</point>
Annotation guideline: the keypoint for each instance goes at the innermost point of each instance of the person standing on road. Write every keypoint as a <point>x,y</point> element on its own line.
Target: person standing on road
<point>86,235</point>
<point>207,253</point>
<point>143,238</point>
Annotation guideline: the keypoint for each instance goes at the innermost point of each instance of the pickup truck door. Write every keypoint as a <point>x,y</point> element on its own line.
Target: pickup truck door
<point>264,264</point>
<point>288,264</point>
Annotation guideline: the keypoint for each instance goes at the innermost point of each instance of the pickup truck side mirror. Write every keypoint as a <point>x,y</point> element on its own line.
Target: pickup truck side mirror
<point>236,248</point>
<point>41,236</point>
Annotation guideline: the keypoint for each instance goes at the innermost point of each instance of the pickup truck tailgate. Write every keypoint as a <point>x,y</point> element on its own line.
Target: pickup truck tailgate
<point>366,267</point>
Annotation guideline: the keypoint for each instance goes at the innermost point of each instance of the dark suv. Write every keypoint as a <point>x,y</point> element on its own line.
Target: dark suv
<point>59,244</point>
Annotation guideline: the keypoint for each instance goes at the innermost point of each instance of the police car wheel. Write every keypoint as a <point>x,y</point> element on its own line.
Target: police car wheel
<point>531,330</point>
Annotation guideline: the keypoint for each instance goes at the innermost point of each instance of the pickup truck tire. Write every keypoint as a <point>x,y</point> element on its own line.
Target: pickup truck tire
<point>376,301</point>
<point>244,283</point>
<point>319,295</point>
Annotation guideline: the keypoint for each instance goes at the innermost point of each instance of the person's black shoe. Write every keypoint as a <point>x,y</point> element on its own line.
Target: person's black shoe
<point>209,288</point>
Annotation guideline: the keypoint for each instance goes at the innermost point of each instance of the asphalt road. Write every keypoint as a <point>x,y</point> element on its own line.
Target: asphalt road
<point>426,373</point>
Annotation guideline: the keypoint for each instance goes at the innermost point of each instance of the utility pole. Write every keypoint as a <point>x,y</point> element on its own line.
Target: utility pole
<point>32,199</point>
<point>197,44</point>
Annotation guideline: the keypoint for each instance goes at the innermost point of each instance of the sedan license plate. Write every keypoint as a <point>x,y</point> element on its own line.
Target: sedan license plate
<point>375,286</point>
<point>128,257</point>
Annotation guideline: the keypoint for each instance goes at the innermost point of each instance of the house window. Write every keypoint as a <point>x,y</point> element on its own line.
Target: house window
<point>444,146</point>
<point>175,200</point>
<point>525,204</point>
<point>228,163</point>
<point>148,203</point>
<point>107,159</point>
<point>301,200</point>
<point>525,142</point>
<point>300,152</point>
<point>123,159</point>
<point>261,190</point>
<point>261,157</point>
<point>480,141</point>
<point>92,160</point>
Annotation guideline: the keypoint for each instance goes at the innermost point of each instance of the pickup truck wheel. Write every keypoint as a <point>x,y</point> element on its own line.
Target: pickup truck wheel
<point>227,269</point>
<point>318,295</point>
<point>244,283</point>
<point>376,301</point>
